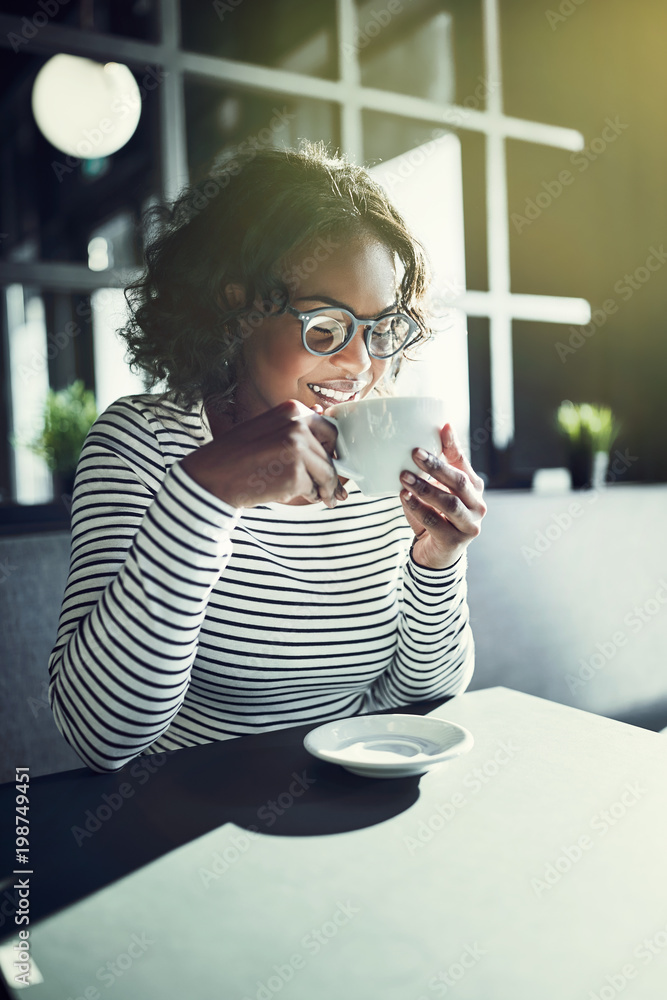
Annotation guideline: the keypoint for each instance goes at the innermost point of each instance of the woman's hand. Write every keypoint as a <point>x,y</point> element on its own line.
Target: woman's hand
<point>282,455</point>
<point>445,515</point>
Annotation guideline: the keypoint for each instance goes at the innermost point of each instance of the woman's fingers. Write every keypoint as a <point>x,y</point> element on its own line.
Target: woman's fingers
<point>452,500</point>
<point>308,439</point>
<point>457,480</point>
<point>323,431</point>
<point>438,511</point>
<point>455,456</point>
<point>320,470</point>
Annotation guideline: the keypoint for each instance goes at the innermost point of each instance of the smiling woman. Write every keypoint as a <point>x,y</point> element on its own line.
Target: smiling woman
<point>223,580</point>
<point>251,239</point>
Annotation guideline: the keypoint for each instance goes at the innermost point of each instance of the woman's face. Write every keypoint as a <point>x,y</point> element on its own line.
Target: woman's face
<point>359,276</point>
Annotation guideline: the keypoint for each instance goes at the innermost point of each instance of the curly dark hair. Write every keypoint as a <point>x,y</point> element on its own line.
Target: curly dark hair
<point>244,223</point>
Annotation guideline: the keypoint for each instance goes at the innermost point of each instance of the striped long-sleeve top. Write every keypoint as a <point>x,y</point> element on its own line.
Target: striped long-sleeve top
<point>186,620</point>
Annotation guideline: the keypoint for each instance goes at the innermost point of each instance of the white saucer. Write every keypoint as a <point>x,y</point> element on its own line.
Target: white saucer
<point>388,746</point>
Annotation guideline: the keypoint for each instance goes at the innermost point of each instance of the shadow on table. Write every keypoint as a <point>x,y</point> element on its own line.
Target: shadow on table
<point>269,791</point>
<point>89,829</point>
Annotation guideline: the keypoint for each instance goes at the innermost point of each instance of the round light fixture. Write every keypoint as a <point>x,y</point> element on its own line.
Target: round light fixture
<point>84,108</point>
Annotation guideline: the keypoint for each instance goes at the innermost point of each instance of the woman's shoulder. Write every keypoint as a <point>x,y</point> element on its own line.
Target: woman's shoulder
<point>146,430</point>
<point>155,413</point>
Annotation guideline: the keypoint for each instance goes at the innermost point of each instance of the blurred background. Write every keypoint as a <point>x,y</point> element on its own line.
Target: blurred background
<point>525,143</point>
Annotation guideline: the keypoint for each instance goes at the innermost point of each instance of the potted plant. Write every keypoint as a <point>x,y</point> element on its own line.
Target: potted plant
<point>68,416</point>
<point>590,432</point>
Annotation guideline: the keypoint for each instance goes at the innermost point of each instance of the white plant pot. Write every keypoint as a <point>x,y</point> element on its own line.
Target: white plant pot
<point>600,464</point>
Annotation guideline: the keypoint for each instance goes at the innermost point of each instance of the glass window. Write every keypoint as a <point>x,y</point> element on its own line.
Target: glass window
<point>426,186</point>
<point>219,116</point>
<point>113,377</point>
<point>386,136</point>
<point>296,35</point>
<point>409,51</point>
<point>28,384</point>
<point>130,18</point>
<point>114,243</point>
<point>57,199</point>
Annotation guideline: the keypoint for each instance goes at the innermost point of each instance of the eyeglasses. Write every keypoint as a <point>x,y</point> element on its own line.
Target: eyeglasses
<point>328,330</point>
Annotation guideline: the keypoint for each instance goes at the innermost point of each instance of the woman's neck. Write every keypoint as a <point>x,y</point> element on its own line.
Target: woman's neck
<point>220,421</point>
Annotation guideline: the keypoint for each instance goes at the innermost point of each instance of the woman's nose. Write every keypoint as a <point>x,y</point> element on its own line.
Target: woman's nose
<point>355,354</point>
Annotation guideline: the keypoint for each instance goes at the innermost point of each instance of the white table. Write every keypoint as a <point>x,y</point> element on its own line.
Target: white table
<point>533,867</point>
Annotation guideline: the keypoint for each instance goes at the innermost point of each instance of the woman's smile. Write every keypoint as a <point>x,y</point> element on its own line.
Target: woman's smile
<point>336,392</point>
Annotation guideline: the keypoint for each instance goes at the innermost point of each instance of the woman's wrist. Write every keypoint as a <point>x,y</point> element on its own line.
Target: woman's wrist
<point>450,562</point>
<point>198,466</point>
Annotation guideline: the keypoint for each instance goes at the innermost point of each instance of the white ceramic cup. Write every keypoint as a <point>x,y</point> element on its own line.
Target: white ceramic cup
<point>376,437</point>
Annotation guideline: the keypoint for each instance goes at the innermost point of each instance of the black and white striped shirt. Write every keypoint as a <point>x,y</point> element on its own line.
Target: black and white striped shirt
<point>186,620</point>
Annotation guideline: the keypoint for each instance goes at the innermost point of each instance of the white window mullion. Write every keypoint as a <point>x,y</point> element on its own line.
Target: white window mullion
<point>538,308</point>
<point>352,140</point>
<point>498,248</point>
<point>174,154</point>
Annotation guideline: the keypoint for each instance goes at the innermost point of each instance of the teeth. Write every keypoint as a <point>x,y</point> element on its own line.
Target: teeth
<point>332,393</point>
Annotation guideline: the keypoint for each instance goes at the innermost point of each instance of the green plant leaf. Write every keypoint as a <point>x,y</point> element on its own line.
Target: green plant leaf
<point>68,416</point>
<point>586,425</point>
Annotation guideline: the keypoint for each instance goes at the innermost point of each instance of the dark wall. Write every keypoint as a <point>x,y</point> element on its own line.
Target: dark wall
<point>604,62</point>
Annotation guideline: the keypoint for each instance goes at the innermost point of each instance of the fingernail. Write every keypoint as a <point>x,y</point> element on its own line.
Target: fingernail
<point>421,454</point>
<point>407,477</point>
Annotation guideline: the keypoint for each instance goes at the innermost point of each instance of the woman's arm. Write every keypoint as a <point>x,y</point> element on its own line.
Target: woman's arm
<point>435,651</point>
<point>147,549</point>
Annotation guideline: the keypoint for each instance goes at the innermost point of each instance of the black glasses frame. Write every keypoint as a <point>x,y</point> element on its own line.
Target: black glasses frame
<point>356,322</point>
